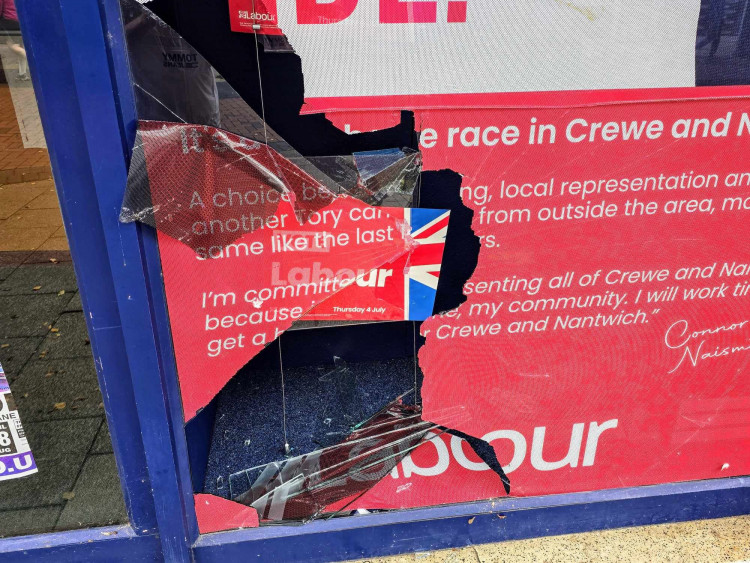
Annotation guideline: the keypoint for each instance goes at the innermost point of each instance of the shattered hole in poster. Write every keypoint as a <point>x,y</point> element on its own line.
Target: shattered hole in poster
<point>389,288</point>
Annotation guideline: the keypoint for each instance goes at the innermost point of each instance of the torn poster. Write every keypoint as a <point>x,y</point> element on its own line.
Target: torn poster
<point>608,310</point>
<point>16,459</point>
<point>411,48</point>
<point>301,487</point>
<point>556,371</point>
<point>215,192</point>
<point>251,243</point>
<point>215,514</point>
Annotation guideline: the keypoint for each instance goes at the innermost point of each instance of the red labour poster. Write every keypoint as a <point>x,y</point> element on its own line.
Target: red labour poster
<point>604,340</point>
<point>265,243</point>
<point>605,337</point>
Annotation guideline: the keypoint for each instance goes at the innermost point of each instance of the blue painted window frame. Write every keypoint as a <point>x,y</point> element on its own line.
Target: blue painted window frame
<point>79,67</point>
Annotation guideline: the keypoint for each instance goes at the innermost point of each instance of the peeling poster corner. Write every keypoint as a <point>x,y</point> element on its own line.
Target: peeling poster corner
<point>16,459</point>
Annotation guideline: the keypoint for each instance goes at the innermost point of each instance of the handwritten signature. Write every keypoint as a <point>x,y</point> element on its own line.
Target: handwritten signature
<point>692,343</point>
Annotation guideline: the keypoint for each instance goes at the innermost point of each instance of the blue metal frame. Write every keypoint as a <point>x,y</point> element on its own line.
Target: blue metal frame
<point>116,543</point>
<point>71,55</point>
<point>444,527</point>
<point>79,65</point>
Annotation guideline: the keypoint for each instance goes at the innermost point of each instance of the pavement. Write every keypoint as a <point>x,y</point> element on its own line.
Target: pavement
<point>44,345</point>
<point>702,541</point>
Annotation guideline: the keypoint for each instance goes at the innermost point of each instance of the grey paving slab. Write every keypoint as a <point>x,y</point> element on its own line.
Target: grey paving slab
<point>43,384</point>
<point>49,278</point>
<point>58,438</point>
<point>56,476</point>
<point>103,442</point>
<point>6,271</point>
<point>26,315</point>
<point>68,338</point>
<point>98,497</point>
<point>60,448</point>
<point>74,304</point>
<point>28,521</point>
<point>15,352</point>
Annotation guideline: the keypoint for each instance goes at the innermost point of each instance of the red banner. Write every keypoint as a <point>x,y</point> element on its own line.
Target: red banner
<point>606,334</point>
<point>251,243</point>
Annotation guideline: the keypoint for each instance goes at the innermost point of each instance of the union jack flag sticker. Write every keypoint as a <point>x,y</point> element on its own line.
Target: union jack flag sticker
<point>404,289</point>
<point>429,228</point>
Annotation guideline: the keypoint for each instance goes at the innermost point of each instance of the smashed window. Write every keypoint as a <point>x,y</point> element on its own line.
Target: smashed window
<point>388,292</point>
<point>256,240</point>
